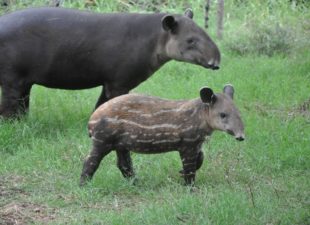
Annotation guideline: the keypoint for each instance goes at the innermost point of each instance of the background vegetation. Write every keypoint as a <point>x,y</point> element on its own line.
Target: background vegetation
<point>264,180</point>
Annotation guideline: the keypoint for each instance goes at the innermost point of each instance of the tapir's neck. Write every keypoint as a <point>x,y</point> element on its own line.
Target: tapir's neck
<point>203,117</point>
<point>199,116</point>
<point>159,56</point>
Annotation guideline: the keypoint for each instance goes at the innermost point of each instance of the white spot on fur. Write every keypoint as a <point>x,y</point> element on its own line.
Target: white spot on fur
<point>192,139</point>
<point>166,141</point>
<point>187,128</point>
<point>134,111</point>
<point>122,121</point>
<point>124,134</point>
<point>95,139</point>
<point>194,112</point>
<point>145,141</point>
<point>93,121</point>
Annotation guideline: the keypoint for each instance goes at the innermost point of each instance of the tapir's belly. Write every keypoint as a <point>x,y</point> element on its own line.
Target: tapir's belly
<point>158,142</point>
<point>72,79</point>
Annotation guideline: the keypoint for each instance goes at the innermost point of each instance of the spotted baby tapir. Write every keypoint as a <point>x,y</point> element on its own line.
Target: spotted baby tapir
<point>145,124</point>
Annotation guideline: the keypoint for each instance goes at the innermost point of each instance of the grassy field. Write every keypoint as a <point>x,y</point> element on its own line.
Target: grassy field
<point>263,180</point>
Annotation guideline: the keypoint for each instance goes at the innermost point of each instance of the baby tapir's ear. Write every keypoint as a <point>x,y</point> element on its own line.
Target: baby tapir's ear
<point>189,13</point>
<point>169,24</point>
<point>229,90</point>
<point>207,95</point>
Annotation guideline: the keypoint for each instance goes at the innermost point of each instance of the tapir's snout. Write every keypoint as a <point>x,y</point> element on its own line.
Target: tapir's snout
<point>214,62</point>
<point>211,64</point>
<point>240,137</point>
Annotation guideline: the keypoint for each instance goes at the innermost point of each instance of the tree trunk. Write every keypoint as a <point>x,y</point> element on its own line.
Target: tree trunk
<point>220,18</point>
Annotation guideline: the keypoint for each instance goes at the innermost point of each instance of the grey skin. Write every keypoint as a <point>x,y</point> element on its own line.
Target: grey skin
<point>145,124</point>
<point>72,49</point>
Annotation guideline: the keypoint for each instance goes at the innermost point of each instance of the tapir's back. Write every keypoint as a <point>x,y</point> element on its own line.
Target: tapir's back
<point>66,18</point>
<point>76,49</point>
<point>140,108</point>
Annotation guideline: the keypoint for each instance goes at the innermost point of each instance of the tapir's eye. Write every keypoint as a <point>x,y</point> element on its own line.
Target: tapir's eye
<point>190,41</point>
<point>223,115</point>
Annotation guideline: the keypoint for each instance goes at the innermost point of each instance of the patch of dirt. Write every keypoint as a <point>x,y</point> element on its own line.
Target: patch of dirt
<point>304,107</point>
<point>17,213</point>
<point>15,209</point>
<point>9,186</point>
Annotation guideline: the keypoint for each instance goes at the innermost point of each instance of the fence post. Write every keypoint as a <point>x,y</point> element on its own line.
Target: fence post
<point>207,8</point>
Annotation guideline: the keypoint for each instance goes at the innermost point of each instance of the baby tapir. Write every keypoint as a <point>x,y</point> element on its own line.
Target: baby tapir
<point>145,124</point>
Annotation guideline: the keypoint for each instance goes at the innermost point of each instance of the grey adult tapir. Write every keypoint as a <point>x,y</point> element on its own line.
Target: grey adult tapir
<point>72,49</point>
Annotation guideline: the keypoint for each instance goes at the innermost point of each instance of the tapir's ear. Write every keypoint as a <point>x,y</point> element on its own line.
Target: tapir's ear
<point>207,95</point>
<point>189,13</point>
<point>229,90</point>
<point>169,23</point>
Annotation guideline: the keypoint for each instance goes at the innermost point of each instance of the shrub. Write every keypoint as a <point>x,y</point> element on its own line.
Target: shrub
<point>262,38</point>
<point>274,29</point>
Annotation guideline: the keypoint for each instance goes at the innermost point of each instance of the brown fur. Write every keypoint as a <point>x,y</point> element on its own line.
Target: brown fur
<point>148,124</point>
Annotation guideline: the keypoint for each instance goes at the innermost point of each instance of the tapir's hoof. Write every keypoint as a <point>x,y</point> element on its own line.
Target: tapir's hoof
<point>181,172</point>
<point>133,180</point>
<point>84,181</point>
<point>193,189</point>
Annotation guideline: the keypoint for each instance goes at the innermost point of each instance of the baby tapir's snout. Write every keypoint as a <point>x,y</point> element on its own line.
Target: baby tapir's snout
<point>146,124</point>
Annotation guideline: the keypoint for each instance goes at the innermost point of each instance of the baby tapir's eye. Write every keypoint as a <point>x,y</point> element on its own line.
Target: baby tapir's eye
<point>190,41</point>
<point>223,115</point>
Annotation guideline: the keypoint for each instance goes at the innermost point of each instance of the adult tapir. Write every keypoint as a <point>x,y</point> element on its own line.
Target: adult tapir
<point>72,49</point>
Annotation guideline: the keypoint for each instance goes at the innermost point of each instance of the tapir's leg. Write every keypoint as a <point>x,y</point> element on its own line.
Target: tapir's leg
<point>124,163</point>
<point>102,98</point>
<point>189,161</point>
<point>15,99</point>
<point>199,162</point>
<point>110,91</point>
<point>91,164</point>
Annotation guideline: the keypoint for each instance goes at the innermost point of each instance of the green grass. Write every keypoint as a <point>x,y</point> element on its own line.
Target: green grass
<point>263,180</point>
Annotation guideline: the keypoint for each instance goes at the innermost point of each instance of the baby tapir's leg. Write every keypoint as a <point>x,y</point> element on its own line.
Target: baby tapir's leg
<point>91,164</point>
<point>189,161</point>
<point>199,162</point>
<point>124,163</point>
